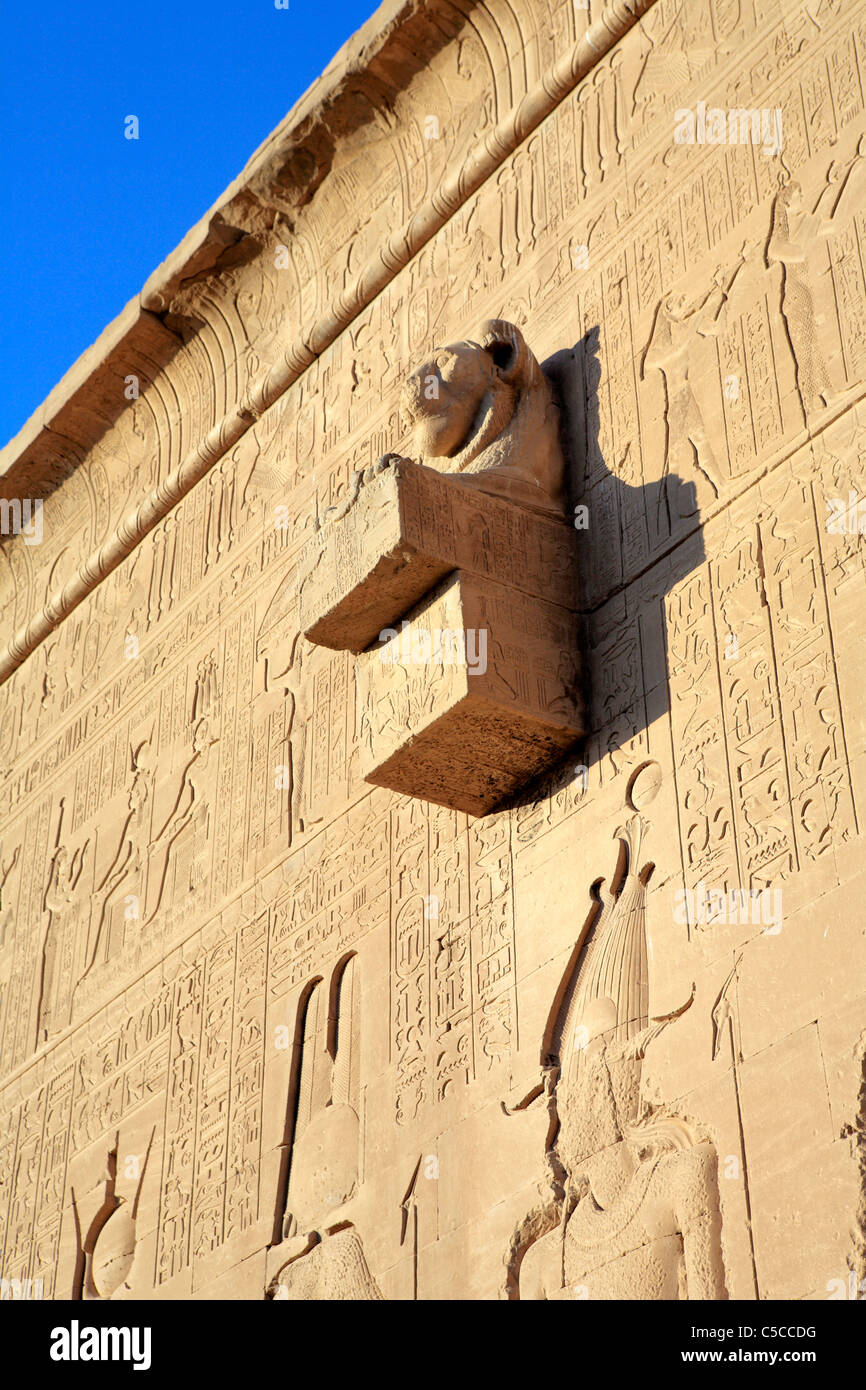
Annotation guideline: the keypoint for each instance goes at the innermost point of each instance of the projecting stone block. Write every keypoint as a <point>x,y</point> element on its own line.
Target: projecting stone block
<point>408,528</point>
<point>470,696</point>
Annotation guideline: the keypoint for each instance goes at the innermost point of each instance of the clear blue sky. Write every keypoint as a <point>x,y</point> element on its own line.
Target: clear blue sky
<point>89,214</point>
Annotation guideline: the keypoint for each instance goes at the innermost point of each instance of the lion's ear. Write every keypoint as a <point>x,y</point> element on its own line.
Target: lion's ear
<point>504,342</point>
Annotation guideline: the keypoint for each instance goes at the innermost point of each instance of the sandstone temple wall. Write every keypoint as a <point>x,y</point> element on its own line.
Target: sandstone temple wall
<point>214,932</point>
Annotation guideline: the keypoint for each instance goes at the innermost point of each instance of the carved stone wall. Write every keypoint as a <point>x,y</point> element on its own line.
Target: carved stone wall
<point>266,1030</point>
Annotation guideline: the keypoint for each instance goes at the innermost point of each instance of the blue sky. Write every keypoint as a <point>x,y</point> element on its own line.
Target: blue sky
<point>90,214</point>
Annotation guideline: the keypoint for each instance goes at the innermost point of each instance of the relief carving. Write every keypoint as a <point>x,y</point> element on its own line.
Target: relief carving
<point>484,410</point>
<point>795,231</point>
<point>60,903</point>
<point>678,327</point>
<point>319,1184</point>
<point>107,1246</point>
<point>700,315</point>
<point>179,845</point>
<point>7,909</point>
<point>633,1210</point>
<point>477,665</point>
<point>128,863</point>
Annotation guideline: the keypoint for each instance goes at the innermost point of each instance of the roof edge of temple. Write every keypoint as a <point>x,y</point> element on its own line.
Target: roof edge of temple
<point>137,331</point>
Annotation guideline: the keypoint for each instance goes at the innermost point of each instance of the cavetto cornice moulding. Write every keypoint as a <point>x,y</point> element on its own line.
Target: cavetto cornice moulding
<point>276,174</point>
<point>443,203</point>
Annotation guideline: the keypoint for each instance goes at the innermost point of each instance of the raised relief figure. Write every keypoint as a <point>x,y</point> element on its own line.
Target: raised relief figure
<point>795,232</point>
<point>7,917</point>
<point>319,1249</point>
<point>678,327</point>
<point>59,902</point>
<point>106,1249</point>
<point>190,813</point>
<point>128,862</point>
<point>634,1211</point>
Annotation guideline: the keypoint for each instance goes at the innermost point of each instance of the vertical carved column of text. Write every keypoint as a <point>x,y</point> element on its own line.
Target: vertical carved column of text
<point>750,700</point>
<point>211,1146</point>
<point>52,1181</point>
<point>698,745</point>
<point>247,1081</point>
<point>9,1130</point>
<point>172,1255</point>
<point>221,838</point>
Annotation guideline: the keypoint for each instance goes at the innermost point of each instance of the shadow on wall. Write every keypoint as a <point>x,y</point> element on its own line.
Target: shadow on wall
<point>630,1208</point>
<point>627,530</point>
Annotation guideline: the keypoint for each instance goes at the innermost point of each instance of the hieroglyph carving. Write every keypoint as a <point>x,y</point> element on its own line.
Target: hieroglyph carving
<point>58,950</point>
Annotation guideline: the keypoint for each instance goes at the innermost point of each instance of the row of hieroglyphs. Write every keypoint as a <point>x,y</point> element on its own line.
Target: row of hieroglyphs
<point>245,316</point>
<point>200,1040</point>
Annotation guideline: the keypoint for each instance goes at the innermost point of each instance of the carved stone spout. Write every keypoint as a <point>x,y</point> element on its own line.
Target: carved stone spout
<point>484,410</point>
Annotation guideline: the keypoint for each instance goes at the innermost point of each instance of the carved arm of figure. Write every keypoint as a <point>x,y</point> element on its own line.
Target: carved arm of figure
<point>708,311</point>
<point>178,819</point>
<point>9,867</point>
<point>819,222</point>
<point>660,345</point>
<point>784,252</point>
<point>782,247</point>
<point>697,1216</point>
<point>78,859</point>
<point>63,881</point>
<point>53,899</point>
<point>845,186</point>
<point>117,867</point>
<point>711,314</point>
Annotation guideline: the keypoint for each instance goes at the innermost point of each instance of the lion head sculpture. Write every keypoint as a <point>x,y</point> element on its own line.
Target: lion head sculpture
<point>485,410</point>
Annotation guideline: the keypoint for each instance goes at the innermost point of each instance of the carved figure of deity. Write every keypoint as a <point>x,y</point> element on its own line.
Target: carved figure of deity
<point>106,1249</point>
<point>677,329</point>
<point>794,233</point>
<point>321,1250</point>
<point>634,1211</point>
<point>6,909</point>
<point>59,902</point>
<point>190,812</point>
<point>128,862</point>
